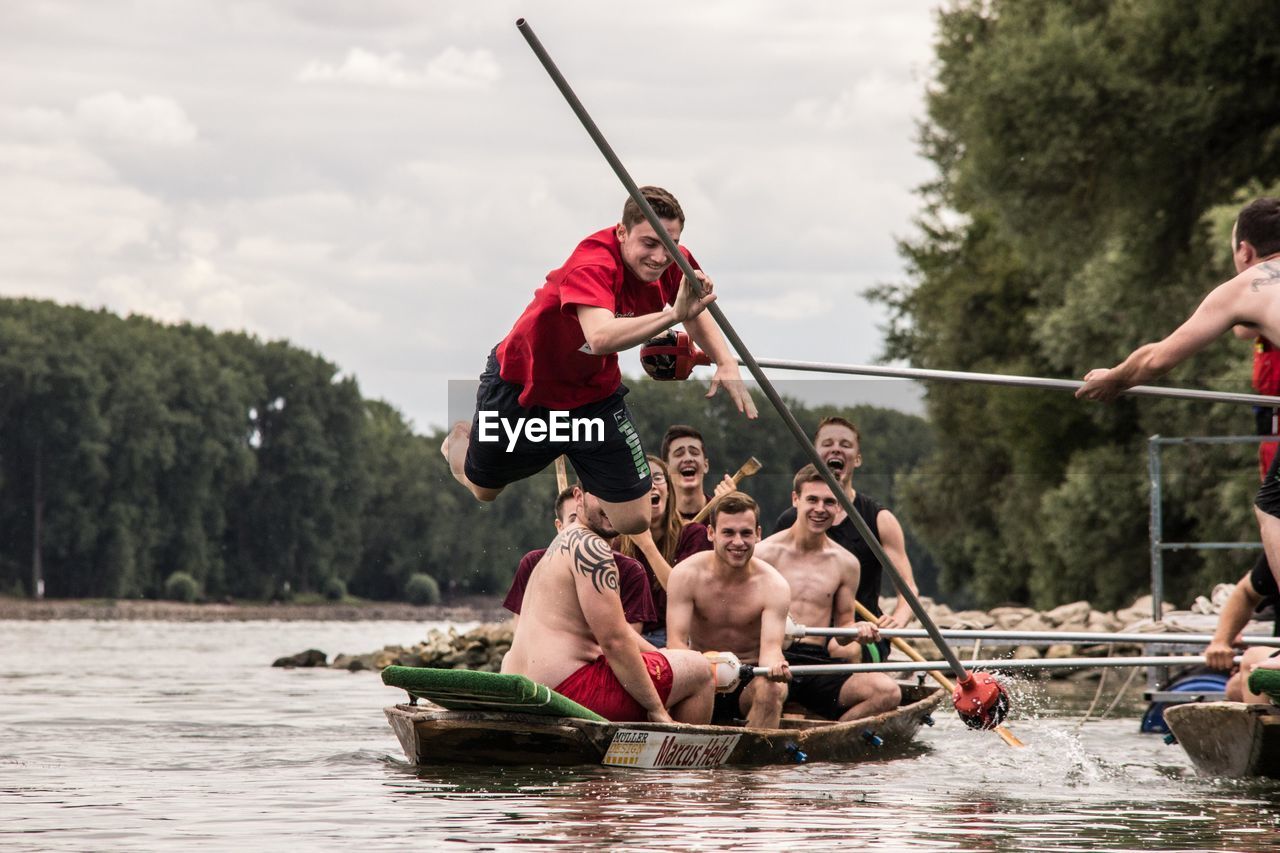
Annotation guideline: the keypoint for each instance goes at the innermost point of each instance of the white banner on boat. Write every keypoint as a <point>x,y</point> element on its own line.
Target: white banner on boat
<point>652,750</point>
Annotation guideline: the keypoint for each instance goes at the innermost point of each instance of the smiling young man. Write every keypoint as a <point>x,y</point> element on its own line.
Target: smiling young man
<point>839,444</point>
<point>823,578</point>
<point>729,600</point>
<point>552,386</point>
<point>685,455</point>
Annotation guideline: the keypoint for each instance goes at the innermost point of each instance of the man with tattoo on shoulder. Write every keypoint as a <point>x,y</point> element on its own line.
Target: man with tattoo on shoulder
<point>1251,300</point>
<point>573,636</point>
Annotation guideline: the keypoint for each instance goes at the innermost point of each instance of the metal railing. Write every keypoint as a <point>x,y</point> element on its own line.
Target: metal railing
<point>1158,545</point>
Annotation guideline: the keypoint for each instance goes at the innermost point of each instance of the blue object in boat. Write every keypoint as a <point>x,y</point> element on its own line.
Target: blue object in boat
<point>1199,682</point>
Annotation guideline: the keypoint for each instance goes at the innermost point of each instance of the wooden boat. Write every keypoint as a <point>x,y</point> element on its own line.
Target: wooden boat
<point>1228,738</point>
<point>431,735</point>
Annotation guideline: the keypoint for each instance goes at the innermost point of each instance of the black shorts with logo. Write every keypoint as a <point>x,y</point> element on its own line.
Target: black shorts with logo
<point>609,460</point>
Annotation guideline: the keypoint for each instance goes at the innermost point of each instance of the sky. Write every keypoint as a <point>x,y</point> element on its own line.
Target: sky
<point>386,182</point>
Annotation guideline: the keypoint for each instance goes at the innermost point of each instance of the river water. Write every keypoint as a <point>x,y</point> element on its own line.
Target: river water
<point>155,735</point>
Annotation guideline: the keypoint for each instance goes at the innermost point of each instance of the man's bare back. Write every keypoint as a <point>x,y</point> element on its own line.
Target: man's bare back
<point>573,636</point>
<point>553,639</point>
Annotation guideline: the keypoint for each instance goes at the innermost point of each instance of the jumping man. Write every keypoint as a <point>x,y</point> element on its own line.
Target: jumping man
<point>552,386</point>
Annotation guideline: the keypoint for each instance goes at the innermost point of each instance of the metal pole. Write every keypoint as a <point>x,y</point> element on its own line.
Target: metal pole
<point>765,385</point>
<point>1008,664</point>
<point>1014,381</point>
<point>1044,637</point>
<point>1157,529</point>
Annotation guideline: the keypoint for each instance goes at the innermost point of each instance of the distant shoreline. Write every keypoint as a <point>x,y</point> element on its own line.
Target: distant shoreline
<point>470,609</point>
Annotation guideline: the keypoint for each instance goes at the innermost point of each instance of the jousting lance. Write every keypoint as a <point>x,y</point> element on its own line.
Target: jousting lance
<point>979,699</point>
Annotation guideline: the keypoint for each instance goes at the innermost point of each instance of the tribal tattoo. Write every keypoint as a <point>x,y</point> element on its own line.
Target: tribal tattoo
<point>1270,275</point>
<point>592,557</point>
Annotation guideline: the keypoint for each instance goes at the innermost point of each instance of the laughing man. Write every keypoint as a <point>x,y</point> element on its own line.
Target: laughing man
<point>728,600</point>
<point>823,578</point>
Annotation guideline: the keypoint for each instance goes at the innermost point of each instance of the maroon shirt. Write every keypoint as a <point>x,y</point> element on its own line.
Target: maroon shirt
<point>633,586</point>
<point>693,538</point>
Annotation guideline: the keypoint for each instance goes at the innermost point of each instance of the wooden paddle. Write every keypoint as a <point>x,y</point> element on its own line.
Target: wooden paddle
<point>902,645</point>
<point>751,466</point>
<point>562,475</point>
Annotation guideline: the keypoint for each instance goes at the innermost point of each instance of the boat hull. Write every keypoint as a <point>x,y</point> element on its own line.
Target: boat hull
<point>1228,738</point>
<point>436,737</point>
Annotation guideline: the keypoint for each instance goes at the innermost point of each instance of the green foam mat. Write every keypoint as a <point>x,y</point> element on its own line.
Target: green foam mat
<point>1266,681</point>
<point>467,690</point>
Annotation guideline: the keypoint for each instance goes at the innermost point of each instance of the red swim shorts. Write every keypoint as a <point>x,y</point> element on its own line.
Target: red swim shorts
<point>595,686</point>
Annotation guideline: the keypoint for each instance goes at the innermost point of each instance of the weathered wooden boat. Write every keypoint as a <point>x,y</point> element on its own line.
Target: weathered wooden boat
<point>1228,738</point>
<point>491,722</point>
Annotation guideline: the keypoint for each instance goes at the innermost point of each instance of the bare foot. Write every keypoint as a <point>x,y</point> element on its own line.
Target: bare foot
<point>459,427</point>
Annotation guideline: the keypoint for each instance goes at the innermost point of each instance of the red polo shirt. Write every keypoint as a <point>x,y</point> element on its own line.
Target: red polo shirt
<point>545,351</point>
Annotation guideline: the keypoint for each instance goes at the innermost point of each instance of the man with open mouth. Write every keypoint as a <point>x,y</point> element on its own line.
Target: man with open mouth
<point>839,445</point>
<point>685,454</point>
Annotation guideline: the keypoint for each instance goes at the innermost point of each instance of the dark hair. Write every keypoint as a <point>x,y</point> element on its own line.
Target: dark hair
<point>1259,223</point>
<point>564,497</point>
<point>663,203</point>
<point>838,421</point>
<point>807,474</point>
<point>680,431</point>
<point>733,503</point>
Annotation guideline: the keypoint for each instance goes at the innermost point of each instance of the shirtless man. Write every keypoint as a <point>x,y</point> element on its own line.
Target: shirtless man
<point>840,446</point>
<point>572,634</point>
<point>1250,299</point>
<point>633,581</point>
<point>823,578</point>
<point>727,600</point>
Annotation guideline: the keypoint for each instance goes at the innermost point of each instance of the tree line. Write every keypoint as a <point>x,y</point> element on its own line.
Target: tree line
<point>131,450</point>
<point>1091,156</point>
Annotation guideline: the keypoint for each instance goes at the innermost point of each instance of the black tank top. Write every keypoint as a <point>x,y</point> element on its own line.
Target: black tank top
<point>846,535</point>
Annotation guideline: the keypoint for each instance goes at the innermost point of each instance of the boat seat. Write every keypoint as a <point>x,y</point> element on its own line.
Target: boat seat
<point>468,690</point>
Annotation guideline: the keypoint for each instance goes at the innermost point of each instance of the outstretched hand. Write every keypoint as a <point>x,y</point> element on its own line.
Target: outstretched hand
<point>728,377</point>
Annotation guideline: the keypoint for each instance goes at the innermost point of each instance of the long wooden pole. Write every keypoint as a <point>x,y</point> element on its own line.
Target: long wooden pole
<point>748,468</point>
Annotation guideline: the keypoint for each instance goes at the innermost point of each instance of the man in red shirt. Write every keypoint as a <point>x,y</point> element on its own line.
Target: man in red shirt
<point>552,386</point>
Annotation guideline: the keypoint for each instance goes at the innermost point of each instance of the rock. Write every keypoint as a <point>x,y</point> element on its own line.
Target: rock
<point>1006,618</point>
<point>1139,610</point>
<point>1060,650</point>
<point>311,657</point>
<point>1075,612</point>
<point>1034,622</point>
<point>1026,653</point>
<point>968,619</point>
<point>1099,621</point>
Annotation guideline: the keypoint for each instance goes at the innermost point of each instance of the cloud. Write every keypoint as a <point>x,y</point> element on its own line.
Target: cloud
<point>147,120</point>
<point>451,69</point>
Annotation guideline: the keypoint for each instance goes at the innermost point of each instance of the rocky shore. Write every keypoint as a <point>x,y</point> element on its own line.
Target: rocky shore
<point>483,647</point>
<point>474,609</point>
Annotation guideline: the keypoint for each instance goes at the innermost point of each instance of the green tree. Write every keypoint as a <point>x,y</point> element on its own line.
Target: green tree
<point>1080,147</point>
